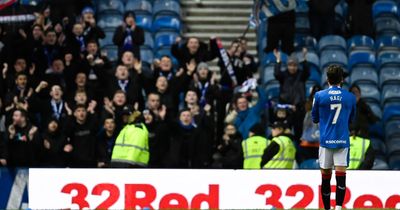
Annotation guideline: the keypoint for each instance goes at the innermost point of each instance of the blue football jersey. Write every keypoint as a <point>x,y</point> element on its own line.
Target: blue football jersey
<point>334,108</point>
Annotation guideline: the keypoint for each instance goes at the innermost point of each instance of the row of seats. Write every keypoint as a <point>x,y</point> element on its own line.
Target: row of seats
<point>160,20</point>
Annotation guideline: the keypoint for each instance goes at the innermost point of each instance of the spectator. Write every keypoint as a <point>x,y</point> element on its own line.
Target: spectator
<point>44,55</point>
<point>229,154</point>
<point>75,42</point>
<point>23,141</point>
<point>282,113</point>
<point>129,36</point>
<point>280,153</point>
<point>309,141</point>
<point>115,108</point>
<point>106,140</point>
<point>188,148</point>
<point>158,137</point>
<point>163,67</point>
<point>191,50</point>
<point>362,154</point>
<point>248,116</point>
<point>81,131</point>
<point>3,151</point>
<point>204,83</point>
<point>18,97</point>
<point>154,106</point>
<point>360,17</point>
<point>90,29</point>
<point>53,108</point>
<point>54,142</point>
<point>322,17</point>
<point>364,115</point>
<point>292,87</point>
<point>281,28</point>
<point>131,86</point>
<point>253,147</point>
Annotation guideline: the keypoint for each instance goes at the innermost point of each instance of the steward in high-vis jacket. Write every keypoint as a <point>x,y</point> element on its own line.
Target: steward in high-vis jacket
<point>281,152</point>
<point>253,147</point>
<point>131,149</point>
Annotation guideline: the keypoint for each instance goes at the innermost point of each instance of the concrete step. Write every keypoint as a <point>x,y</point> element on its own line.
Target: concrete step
<point>193,11</point>
<point>191,20</point>
<point>221,35</point>
<point>217,27</point>
<point>219,3</point>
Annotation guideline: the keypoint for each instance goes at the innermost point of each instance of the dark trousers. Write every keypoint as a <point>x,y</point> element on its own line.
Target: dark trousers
<point>280,32</point>
<point>321,25</point>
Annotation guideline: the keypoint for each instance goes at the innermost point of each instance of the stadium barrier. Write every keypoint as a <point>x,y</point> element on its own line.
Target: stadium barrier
<point>206,189</point>
<point>13,188</point>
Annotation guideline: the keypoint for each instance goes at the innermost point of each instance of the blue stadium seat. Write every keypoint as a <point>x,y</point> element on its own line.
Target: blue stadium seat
<point>112,52</point>
<point>369,92</point>
<point>146,55</point>
<point>358,42</point>
<point>140,7</point>
<point>364,74</point>
<point>309,164</point>
<point>110,20</point>
<point>389,75</point>
<point>379,147</point>
<point>110,5</point>
<point>271,59</point>
<point>165,39</point>
<point>380,164</point>
<point>166,7</point>
<point>332,42</point>
<point>145,21</point>
<point>272,90</point>
<point>315,75</point>
<point>387,43</point>
<point>305,41</point>
<point>311,57</point>
<point>268,74</point>
<point>390,93</point>
<point>376,130</point>
<point>392,129</point>
<point>329,57</point>
<point>389,59</point>
<point>109,36</point>
<point>376,109</point>
<point>166,23</point>
<point>302,8</point>
<point>387,26</point>
<point>391,113</point>
<point>148,40</point>
<point>385,8</point>
<point>394,160</point>
<point>361,58</point>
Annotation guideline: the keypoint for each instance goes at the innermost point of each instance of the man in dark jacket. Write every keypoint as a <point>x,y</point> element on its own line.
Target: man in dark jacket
<point>129,36</point>
<point>192,49</point>
<point>360,17</point>
<point>292,87</point>
<point>81,131</point>
<point>23,141</point>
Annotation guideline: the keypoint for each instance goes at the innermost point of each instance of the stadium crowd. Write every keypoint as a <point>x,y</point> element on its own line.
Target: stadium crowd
<point>64,104</point>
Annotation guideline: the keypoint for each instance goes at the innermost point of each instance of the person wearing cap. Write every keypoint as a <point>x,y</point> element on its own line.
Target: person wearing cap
<point>204,84</point>
<point>253,147</point>
<point>292,87</point>
<point>129,36</point>
<point>281,152</point>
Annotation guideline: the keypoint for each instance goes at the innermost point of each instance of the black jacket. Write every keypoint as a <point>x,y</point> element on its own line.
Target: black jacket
<point>83,139</point>
<point>137,39</point>
<point>55,155</point>
<point>182,54</point>
<point>292,87</point>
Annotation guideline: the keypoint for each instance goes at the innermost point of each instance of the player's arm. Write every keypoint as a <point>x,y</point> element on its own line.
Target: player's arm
<point>315,109</point>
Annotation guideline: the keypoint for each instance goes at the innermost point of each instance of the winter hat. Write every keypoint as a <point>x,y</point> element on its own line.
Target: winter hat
<point>292,59</point>
<point>202,65</point>
<point>87,10</point>
<point>129,13</point>
<point>258,129</point>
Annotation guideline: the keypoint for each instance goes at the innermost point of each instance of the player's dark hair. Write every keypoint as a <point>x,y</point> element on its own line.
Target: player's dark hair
<point>335,74</point>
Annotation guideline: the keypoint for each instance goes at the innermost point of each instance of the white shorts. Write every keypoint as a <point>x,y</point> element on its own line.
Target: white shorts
<point>328,158</point>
